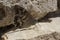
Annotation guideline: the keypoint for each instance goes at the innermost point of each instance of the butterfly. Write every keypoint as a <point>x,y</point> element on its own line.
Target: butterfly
<point>22,17</point>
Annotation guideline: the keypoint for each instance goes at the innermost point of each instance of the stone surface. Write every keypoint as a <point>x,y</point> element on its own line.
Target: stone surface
<point>36,9</point>
<point>6,15</point>
<point>47,29</point>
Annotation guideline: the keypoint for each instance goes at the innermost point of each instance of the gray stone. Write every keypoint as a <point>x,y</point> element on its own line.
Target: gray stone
<point>36,8</point>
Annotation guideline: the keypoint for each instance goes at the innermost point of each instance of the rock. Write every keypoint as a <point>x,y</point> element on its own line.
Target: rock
<point>39,31</point>
<point>37,8</point>
<point>6,15</point>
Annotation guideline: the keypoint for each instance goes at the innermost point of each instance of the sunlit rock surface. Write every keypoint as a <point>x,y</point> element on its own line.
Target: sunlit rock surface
<point>36,8</point>
<point>47,29</point>
<point>41,31</point>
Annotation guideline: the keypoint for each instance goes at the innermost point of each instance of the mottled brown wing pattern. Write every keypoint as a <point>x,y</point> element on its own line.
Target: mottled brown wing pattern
<point>21,16</point>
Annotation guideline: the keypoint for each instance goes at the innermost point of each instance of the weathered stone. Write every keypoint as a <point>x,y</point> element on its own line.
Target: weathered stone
<point>6,15</point>
<point>37,8</point>
<point>40,31</point>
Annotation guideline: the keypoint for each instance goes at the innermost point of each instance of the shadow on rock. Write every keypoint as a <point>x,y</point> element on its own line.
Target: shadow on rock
<point>50,15</point>
<point>58,3</point>
<point>5,29</point>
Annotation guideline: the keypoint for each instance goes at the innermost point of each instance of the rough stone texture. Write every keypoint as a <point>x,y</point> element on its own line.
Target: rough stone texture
<point>36,9</point>
<point>6,15</point>
<point>47,29</point>
<point>51,36</point>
